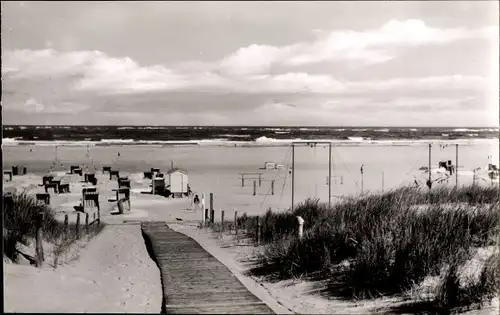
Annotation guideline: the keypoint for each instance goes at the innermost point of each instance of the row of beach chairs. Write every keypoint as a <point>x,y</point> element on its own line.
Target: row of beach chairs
<point>15,171</point>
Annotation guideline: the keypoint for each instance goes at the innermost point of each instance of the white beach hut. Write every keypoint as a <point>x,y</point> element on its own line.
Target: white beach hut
<point>178,180</point>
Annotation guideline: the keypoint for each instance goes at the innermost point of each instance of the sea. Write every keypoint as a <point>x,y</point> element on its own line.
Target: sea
<point>226,161</point>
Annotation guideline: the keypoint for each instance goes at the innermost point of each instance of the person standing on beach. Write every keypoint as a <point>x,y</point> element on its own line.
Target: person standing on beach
<point>196,201</point>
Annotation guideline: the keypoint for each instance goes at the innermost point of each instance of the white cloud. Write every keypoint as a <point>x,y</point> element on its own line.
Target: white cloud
<point>54,82</point>
<point>96,72</point>
<point>33,105</point>
<point>370,46</point>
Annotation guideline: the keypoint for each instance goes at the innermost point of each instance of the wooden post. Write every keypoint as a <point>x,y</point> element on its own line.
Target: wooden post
<point>293,174</point>
<point>329,175</point>
<point>430,178</point>
<point>98,213</point>
<point>222,220</point>
<point>212,216</point>
<point>153,184</point>
<point>456,167</point>
<point>66,225</point>
<point>39,247</point>
<point>78,225</point>
<point>362,180</point>
<point>382,181</point>
<point>203,215</point>
<point>260,179</point>
<point>236,224</point>
<point>207,219</point>
<point>211,202</point>
<point>301,226</point>
<point>254,188</point>
<point>242,180</point>
<point>87,222</point>
<point>272,187</point>
<point>257,232</point>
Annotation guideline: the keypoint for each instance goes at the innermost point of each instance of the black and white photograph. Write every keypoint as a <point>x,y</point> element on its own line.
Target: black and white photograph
<point>251,157</point>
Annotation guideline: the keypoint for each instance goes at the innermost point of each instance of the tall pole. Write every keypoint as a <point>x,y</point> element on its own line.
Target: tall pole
<point>430,178</point>
<point>456,171</point>
<point>382,181</point>
<point>293,172</point>
<point>329,175</point>
<point>362,181</point>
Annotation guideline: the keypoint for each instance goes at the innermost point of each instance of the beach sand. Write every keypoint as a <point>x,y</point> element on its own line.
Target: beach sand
<point>113,272</point>
<point>298,296</point>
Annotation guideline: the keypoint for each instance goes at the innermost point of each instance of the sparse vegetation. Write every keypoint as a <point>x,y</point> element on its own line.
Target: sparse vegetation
<point>20,220</point>
<point>386,244</point>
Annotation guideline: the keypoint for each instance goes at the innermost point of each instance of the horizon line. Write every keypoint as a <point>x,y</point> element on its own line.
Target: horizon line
<point>247,126</point>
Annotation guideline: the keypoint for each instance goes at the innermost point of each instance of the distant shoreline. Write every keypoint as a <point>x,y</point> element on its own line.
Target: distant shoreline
<point>236,135</point>
<point>259,143</point>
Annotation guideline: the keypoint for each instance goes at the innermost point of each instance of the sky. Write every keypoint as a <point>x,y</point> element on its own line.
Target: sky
<point>353,63</point>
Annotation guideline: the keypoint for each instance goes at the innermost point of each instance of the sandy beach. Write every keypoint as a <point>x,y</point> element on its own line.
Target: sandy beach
<point>113,272</point>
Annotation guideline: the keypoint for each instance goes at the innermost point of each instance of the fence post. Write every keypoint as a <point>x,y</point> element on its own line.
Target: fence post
<point>211,201</point>
<point>98,212</point>
<point>257,234</point>
<point>222,220</point>
<point>39,247</point>
<point>212,216</point>
<point>207,219</point>
<point>78,225</point>
<point>301,226</point>
<point>260,179</point>
<point>66,226</point>
<point>242,180</point>
<point>254,188</point>
<point>236,224</point>
<point>203,215</point>
<point>87,223</point>
<point>272,187</point>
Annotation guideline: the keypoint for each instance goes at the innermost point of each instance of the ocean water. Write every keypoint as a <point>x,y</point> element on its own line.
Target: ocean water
<point>216,169</point>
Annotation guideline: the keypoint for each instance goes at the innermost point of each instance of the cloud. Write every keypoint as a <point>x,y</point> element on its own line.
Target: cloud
<point>32,105</point>
<point>246,82</point>
<point>96,72</point>
<point>370,46</point>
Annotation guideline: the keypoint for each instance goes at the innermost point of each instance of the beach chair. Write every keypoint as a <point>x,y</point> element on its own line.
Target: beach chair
<point>123,199</point>
<point>78,171</point>
<point>115,173</point>
<point>106,169</point>
<point>158,186</point>
<point>8,173</point>
<point>45,198</point>
<point>64,188</point>
<point>123,182</point>
<point>47,179</point>
<point>52,185</point>
<point>89,177</point>
<point>148,175</point>
<point>72,169</point>
<point>122,191</point>
<point>90,198</point>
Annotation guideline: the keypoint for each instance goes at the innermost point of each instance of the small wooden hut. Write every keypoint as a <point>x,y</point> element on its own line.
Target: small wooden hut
<point>178,181</point>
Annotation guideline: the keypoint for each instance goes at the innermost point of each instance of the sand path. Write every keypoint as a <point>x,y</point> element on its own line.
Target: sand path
<point>113,274</point>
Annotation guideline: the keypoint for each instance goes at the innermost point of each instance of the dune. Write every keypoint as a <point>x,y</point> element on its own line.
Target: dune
<point>113,274</point>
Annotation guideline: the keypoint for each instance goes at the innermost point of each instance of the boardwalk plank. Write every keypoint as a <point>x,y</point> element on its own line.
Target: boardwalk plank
<point>195,282</point>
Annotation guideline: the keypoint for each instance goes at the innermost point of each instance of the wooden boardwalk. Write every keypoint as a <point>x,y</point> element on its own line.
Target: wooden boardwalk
<point>193,280</point>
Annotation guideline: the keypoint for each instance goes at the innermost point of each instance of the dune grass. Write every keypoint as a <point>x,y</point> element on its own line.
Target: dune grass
<point>20,220</point>
<point>385,244</point>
